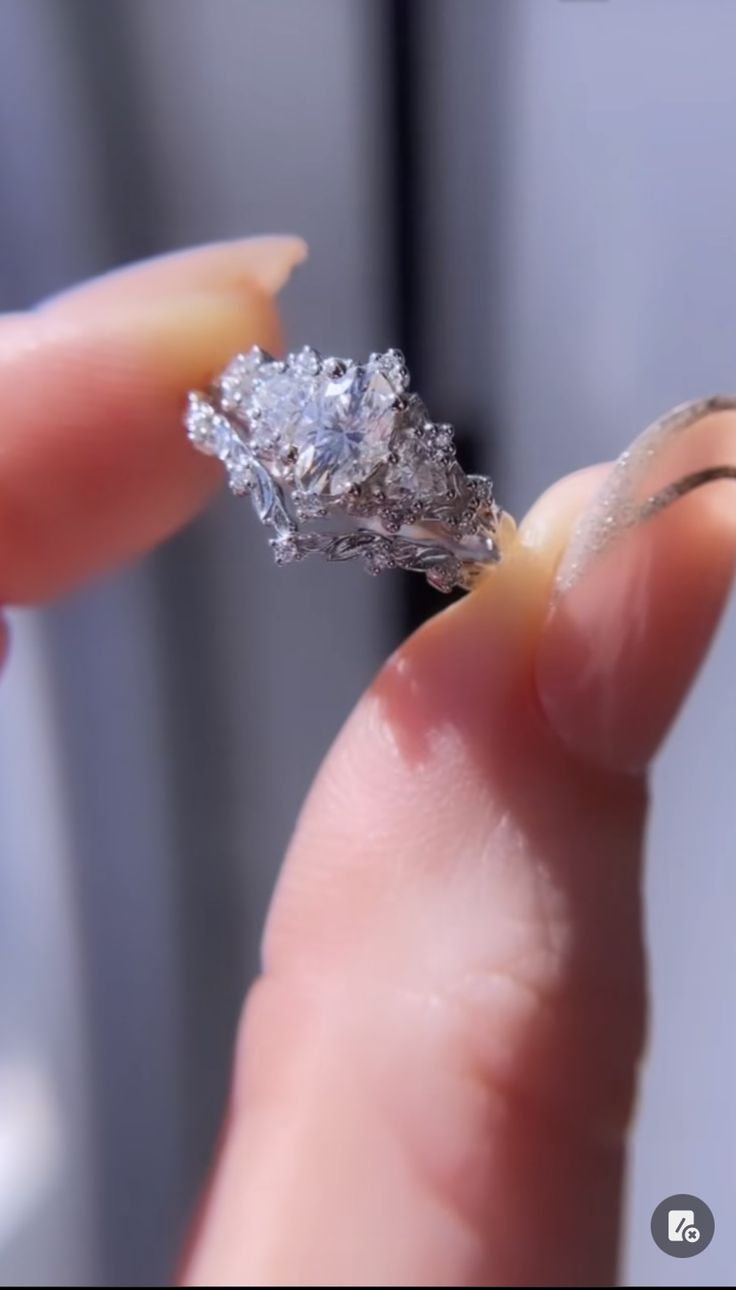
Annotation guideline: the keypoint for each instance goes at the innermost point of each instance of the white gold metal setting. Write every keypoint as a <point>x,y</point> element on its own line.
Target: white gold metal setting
<point>342,460</point>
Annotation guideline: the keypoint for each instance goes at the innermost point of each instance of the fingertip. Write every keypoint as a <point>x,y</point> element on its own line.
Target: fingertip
<point>96,465</point>
<point>270,260</point>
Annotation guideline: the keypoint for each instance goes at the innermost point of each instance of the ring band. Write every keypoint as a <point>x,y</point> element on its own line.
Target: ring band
<point>341,460</point>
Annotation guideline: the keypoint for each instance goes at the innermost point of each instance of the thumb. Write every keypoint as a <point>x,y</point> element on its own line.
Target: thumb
<point>637,603</point>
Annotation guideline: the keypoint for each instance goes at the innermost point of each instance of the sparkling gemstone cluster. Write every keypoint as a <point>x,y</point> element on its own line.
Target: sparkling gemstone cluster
<point>311,438</point>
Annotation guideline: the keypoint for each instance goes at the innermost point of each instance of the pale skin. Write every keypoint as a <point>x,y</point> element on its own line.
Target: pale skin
<point>435,1072</point>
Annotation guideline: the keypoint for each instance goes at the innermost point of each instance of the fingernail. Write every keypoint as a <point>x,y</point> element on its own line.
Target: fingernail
<point>271,259</point>
<point>636,600</point>
<point>261,263</point>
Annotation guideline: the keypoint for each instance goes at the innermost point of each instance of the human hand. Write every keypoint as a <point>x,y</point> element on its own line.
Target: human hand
<point>435,1072</point>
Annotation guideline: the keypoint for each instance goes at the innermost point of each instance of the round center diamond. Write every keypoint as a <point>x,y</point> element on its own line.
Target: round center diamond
<point>344,430</point>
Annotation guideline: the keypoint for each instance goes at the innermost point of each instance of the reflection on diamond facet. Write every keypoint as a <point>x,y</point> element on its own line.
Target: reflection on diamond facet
<point>344,431</point>
<point>338,429</point>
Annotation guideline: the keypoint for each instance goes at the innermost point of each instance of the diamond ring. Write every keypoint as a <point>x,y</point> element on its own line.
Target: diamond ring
<point>342,460</point>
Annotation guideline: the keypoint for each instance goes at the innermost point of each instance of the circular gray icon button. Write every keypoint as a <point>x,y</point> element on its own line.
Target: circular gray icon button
<point>682,1226</point>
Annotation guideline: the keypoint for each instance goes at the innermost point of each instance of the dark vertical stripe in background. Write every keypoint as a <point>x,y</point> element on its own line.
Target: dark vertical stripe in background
<point>408,195</point>
<point>103,46</point>
<point>403,57</point>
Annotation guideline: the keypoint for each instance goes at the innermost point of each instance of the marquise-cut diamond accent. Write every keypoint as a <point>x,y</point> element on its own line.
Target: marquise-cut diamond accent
<point>277,405</point>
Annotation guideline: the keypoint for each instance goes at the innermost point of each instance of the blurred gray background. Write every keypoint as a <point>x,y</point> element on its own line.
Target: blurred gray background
<point>537,200</point>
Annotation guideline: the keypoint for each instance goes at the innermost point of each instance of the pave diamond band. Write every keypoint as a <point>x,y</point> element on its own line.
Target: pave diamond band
<point>342,460</point>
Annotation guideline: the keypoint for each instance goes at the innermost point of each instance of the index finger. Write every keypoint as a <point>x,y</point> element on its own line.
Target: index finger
<point>94,466</point>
